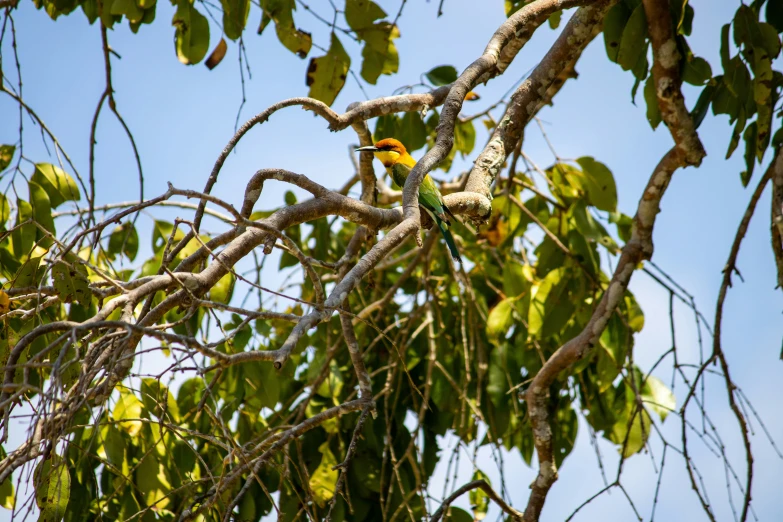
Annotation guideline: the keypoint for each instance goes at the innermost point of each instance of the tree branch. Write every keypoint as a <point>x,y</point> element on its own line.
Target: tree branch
<point>638,248</point>
<point>534,92</point>
<point>666,74</point>
<point>486,488</point>
<point>470,77</point>
<point>717,349</point>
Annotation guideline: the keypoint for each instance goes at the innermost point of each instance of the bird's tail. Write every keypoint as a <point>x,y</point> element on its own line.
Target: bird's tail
<point>444,229</point>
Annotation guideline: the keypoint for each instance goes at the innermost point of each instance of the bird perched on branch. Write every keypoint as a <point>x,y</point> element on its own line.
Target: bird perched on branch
<point>399,164</point>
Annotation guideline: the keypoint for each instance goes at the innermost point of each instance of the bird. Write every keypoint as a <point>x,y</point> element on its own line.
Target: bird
<point>399,164</point>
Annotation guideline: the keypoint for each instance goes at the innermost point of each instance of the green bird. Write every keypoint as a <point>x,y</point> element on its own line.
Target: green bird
<point>399,164</point>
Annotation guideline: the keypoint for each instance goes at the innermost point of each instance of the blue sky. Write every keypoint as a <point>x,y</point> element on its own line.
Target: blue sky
<point>183,116</point>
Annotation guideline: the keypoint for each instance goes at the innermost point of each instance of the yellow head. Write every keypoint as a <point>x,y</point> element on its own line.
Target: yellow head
<point>387,150</point>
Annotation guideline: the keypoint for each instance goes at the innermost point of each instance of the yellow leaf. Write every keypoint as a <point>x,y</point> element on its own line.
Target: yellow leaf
<point>324,478</point>
<point>5,303</point>
<point>129,407</point>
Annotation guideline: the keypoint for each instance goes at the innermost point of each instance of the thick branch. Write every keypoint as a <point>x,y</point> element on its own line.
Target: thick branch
<point>470,77</point>
<point>534,92</point>
<point>666,74</point>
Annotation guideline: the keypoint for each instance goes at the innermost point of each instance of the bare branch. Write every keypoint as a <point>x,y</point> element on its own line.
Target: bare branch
<point>486,488</point>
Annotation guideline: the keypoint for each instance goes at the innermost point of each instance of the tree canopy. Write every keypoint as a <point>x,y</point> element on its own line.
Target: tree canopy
<point>334,389</point>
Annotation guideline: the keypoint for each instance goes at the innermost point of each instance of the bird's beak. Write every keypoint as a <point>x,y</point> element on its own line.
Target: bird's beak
<point>368,148</point>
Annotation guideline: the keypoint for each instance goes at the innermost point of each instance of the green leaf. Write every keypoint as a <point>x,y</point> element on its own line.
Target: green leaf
<point>751,140</point>
<point>770,39</point>
<point>114,446</point>
<point>442,75</point>
<point>324,478</point>
<point>152,480</point>
<point>500,320</point>
<point>724,102</point>
<point>455,514</point>
<point>411,131</point>
<point>633,41</point>
<point>7,494</point>
<point>505,207</point>
<point>554,19</point>
<point>762,95</point>
<point>696,71</point>
<point>702,105</point>
<point>774,14</point>
<point>583,221</point>
<point>223,289</point>
<point>637,436</point>
<point>147,18</point>
<point>479,500</point>
<point>124,239</point>
<point>128,8</point>
<point>386,127</point>
<point>326,74</point>
<point>235,14</point>
<point>157,399</point>
<point>42,213</point>
<point>5,211</point>
<point>58,184</point>
<point>584,251</point>
<point>658,397</point>
<point>651,99</point>
<point>23,237</point>
<point>262,385</point>
<point>614,23</point>
<point>161,232</point>
<point>606,368</point>
<point>360,14</point>
<point>777,139</point>
<point>52,488</point>
<point>497,382</point>
<point>599,184</point>
<point>189,396</point>
<point>128,410</point>
<point>624,225</point>
<point>546,297</point>
<point>635,315</point>
<point>746,28</point>
<point>79,279</point>
<point>464,137</point>
<point>725,50</point>
<point>6,155</point>
<point>282,12</point>
<point>515,279</point>
<point>379,55</point>
<point>63,284</point>
<point>191,38</point>
<point>683,13</point>
<point>247,509</point>
<point>28,274</point>
<point>333,384</point>
<point>737,78</point>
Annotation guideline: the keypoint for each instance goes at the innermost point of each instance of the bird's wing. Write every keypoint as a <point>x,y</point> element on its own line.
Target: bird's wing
<point>399,173</point>
<point>430,198</point>
<point>429,195</point>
